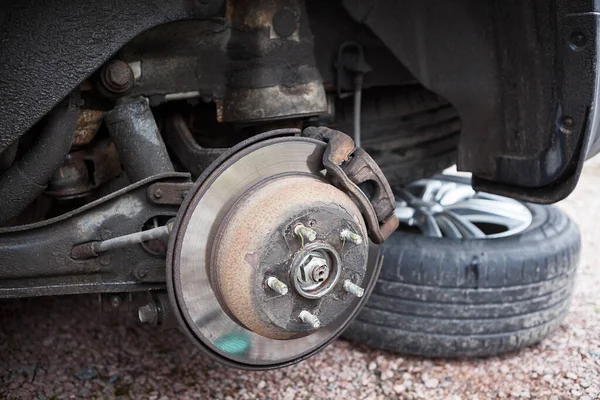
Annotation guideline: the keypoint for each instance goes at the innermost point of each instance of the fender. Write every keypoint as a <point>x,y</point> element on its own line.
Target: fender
<point>523,75</point>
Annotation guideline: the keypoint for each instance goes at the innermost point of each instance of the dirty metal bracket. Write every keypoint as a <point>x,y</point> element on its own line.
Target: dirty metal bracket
<point>347,168</point>
<point>168,193</point>
<point>35,259</point>
<point>190,154</point>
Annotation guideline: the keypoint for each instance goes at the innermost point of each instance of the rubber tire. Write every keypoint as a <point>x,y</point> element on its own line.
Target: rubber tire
<point>411,132</point>
<point>451,298</point>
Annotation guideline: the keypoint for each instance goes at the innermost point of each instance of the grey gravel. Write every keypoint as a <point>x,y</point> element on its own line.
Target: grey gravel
<point>50,346</point>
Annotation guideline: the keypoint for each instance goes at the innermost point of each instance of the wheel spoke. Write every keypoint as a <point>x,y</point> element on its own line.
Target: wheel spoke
<point>431,188</point>
<point>428,225</point>
<point>447,227</point>
<point>441,207</point>
<point>458,194</point>
<point>508,214</point>
<point>447,187</point>
<point>466,227</point>
<point>405,214</point>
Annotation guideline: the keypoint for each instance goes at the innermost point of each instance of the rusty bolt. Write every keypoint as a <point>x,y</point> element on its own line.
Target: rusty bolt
<point>309,319</point>
<point>305,232</point>
<point>117,77</point>
<point>353,288</point>
<point>277,285</point>
<point>351,236</point>
<point>158,193</point>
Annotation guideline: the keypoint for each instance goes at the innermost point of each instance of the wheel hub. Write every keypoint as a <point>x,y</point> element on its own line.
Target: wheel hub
<point>267,264</point>
<point>259,239</point>
<point>312,272</point>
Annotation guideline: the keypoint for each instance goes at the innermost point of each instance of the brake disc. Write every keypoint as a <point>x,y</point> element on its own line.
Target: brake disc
<point>268,261</point>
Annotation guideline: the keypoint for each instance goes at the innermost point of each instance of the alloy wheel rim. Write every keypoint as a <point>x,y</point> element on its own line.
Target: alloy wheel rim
<point>449,209</point>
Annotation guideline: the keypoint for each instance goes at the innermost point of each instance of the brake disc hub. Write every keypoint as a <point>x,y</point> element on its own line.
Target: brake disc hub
<point>267,263</point>
<point>257,241</point>
<point>312,271</point>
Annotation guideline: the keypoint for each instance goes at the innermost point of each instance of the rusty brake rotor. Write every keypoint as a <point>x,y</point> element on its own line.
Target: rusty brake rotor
<point>269,261</point>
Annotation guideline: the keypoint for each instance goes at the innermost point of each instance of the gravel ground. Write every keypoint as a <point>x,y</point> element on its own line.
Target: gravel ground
<point>64,347</point>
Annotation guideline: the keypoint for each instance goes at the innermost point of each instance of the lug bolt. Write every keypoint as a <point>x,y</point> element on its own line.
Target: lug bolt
<point>310,319</point>
<point>305,232</point>
<point>353,288</point>
<point>351,236</point>
<point>277,285</point>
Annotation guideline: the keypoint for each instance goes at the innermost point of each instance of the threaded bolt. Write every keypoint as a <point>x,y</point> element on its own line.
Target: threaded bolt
<point>351,236</point>
<point>310,319</point>
<point>354,289</point>
<point>277,285</point>
<point>305,232</point>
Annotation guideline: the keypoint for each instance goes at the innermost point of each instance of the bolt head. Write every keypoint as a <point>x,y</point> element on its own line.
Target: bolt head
<point>116,301</point>
<point>117,77</point>
<point>148,314</point>
<point>141,273</point>
<point>118,74</point>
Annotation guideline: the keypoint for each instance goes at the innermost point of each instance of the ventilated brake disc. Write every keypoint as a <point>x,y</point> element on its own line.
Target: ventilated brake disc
<point>268,261</point>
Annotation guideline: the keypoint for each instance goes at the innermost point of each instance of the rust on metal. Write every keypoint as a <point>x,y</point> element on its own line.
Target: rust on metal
<point>171,193</point>
<point>84,170</point>
<point>389,226</point>
<point>117,77</point>
<point>88,123</point>
<point>251,246</point>
<point>340,145</point>
<point>361,167</point>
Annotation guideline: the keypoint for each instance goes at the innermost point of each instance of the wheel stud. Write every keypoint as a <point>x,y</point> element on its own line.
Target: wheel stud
<point>305,232</point>
<point>353,288</point>
<point>310,319</point>
<point>277,285</point>
<point>351,236</point>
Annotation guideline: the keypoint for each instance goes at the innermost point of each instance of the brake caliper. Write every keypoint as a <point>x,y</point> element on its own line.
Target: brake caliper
<point>348,168</point>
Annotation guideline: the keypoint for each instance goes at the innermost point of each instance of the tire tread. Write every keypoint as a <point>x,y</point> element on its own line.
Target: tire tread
<point>434,299</point>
